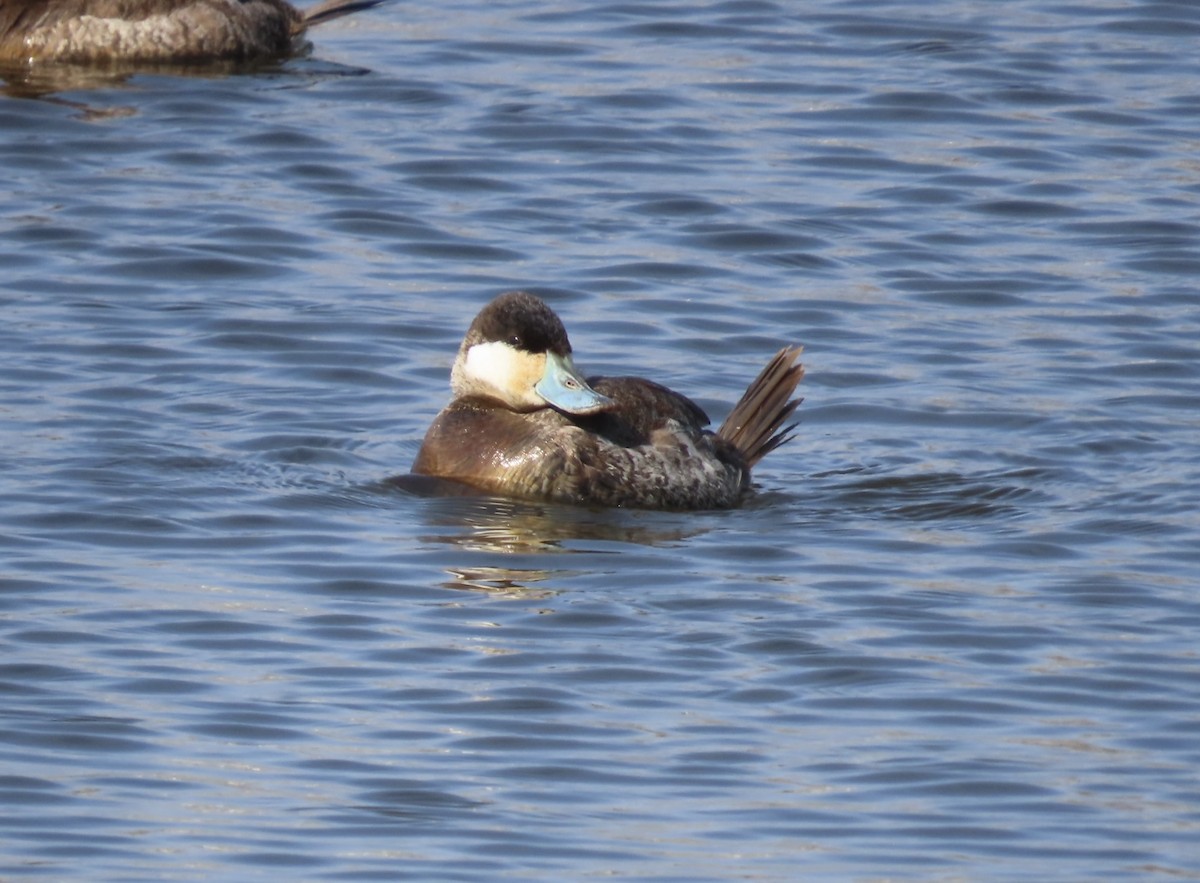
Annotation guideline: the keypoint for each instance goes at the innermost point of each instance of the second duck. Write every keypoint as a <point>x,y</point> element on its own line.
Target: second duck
<point>158,31</point>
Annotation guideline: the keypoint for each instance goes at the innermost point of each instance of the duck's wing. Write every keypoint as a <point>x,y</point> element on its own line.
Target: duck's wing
<point>640,407</point>
<point>19,17</point>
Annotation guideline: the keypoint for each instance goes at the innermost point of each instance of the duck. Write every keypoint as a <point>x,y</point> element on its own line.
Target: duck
<point>158,31</point>
<point>524,423</point>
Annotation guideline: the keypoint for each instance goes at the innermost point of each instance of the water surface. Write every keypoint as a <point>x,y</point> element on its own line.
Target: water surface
<point>954,635</point>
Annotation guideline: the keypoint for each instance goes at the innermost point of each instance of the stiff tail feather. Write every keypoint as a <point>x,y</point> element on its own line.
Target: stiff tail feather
<point>331,9</point>
<point>755,425</point>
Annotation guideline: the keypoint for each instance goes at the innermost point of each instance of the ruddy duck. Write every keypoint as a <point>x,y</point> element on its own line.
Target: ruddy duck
<point>525,423</point>
<point>157,31</point>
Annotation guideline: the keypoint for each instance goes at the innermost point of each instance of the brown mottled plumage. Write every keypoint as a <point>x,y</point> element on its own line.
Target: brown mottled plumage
<point>624,441</point>
<point>157,31</point>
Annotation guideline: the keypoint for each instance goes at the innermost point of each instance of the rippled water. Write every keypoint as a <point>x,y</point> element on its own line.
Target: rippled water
<point>953,638</point>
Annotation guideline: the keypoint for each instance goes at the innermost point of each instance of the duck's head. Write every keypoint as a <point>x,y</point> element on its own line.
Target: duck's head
<point>517,351</point>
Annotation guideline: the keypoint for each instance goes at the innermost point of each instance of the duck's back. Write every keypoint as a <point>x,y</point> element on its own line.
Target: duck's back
<point>87,31</point>
<point>654,451</point>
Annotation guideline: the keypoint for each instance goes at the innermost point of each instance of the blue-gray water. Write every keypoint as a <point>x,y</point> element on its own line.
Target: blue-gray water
<point>955,637</point>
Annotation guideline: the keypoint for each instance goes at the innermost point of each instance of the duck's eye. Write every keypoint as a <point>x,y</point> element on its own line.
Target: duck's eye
<point>515,340</point>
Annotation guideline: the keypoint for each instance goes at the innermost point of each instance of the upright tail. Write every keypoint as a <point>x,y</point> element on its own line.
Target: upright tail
<point>327,10</point>
<point>755,425</point>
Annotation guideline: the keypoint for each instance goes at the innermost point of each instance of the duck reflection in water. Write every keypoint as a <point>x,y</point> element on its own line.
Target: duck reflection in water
<point>524,423</point>
<point>502,582</point>
<point>477,523</point>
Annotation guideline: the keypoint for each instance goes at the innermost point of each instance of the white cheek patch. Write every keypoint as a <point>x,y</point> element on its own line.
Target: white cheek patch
<point>496,364</point>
